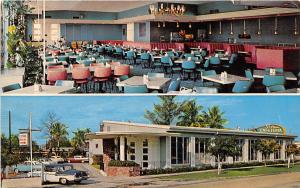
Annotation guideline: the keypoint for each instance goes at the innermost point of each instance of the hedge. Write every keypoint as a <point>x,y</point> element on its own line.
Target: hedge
<point>205,167</point>
<point>118,163</point>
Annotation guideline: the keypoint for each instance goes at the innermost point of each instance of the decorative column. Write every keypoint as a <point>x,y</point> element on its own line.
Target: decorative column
<point>282,150</point>
<point>245,150</point>
<point>122,148</point>
<point>168,152</point>
<point>192,151</point>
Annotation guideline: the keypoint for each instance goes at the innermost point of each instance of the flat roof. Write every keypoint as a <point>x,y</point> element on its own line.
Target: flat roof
<point>173,130</point>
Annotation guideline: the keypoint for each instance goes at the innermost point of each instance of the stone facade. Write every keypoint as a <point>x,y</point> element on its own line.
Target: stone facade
<point>123,171</point>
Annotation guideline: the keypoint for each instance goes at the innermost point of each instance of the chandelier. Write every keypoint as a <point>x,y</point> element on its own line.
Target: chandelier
<point>178,10</point>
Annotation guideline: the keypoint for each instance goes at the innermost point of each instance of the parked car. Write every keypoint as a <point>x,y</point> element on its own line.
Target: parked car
<point>62,173</point>
<point>26,166</point>
<point>46,161</point>
<point>57,159</point>
<point>36,173</point>
<point>78,159</point>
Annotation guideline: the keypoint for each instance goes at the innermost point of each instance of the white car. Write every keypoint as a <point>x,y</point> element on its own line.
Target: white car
<point>36,173</point>
<point>57,159</point>
<point>62,173</point>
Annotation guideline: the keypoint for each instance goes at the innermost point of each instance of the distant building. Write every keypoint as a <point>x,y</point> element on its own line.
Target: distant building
<point>160,146</point>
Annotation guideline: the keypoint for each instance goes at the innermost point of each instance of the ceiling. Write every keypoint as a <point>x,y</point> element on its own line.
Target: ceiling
<point>123,5</point>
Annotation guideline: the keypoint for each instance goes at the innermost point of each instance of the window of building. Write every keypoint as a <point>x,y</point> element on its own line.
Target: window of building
<point>132,151</point>
<point>145,163</point>
<point>180,150</point>
<point>252,153</point>
<point>96,146</point>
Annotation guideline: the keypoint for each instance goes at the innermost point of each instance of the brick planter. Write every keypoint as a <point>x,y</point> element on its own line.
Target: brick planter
<point>123,171</point>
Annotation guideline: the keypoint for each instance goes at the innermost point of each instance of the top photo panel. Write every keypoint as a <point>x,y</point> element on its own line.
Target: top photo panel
<point>149,47</point>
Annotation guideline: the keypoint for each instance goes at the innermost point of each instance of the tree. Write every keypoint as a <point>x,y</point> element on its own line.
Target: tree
<point>291,150</point>
<point>213,118</point>
<point>164,113</point>
<point>190,114</point>
<point>266,147</point>
<point>78,140</point>
<point>56,132</point>
<point>222,147</point>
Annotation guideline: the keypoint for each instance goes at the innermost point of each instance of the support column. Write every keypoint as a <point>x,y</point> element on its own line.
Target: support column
<point>282,150</point>
<point>259,156</point>
<point>168,152</point>
<point>122,148</point>
<point>271,156</point>
<point>245,150</point>
<point>192,151</point>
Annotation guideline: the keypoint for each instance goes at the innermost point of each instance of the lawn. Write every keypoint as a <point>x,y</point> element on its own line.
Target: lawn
<point>233,173</point>
<point>96,166</point>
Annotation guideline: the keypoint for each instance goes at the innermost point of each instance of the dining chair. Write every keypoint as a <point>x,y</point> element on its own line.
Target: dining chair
<point>102,76</point>
<point>87,63</point>
<point>56,74</point>
<point>270,80</point>
<point>97,65</point>
<point>206,90</point>
<point>55,67</point>
<point>10,87</point>
<point>136,89</point>
<point>81,77</point>
<point>130,57</point>
<point>275,88</point>
<point>189,68</point>
<point>156,75</point>
<point>249,74</point>
<point>63,58</point>
<point>118,53</point>
<point>66,83</point>
<point>174,85</point>
<point>242,86</point>
<point>166,63</point>
<point>78,66</point>
<point>120,79</point>
<point>121,70</point>
<point>114,64</point>
<point>145,59</point>
<point>231,62</point>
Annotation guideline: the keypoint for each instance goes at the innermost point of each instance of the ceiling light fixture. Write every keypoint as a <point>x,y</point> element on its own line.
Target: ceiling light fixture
<point>245,32</point>
<point>158,25</point>
<point>276,26</point>
<point>177,24</point>
<point>190,25</point>
<point>164,24</point>
<point>209,29</point>
<point>296,32</point>
<point>220,28</point>
<point>259,27</point>
<point>231,28</point>
<point>178,10</point>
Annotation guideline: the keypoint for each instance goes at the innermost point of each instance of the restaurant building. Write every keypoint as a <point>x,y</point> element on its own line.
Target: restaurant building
<point>161,146</point>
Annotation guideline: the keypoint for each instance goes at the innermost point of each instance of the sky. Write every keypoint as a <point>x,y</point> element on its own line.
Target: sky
<point>245,112</point>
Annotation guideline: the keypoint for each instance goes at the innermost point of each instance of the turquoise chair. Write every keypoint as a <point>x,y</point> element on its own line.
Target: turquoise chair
<point>87,63</point>
<point>136,89</point>
<point>119,52</point>
<point>70,53</point>
<point>63,58</point>
<point>174,85</point>
<point>186,56</point>
<point>231,62</point>
<point>269,80</point>
<point>188,67</point>
<point>145,59</point>
<point>249,75</point>
<point>299,79</point>
<point>156,75</point>
<point>166,62</point>
<point>10,88</point>
<point>120,79</point>
<point>209,73</point>
<point>275,88</point>
<point>130,56</point>
<point>100,50</point>
<point>214,61</point>
<point>203,53</point>
<point>66,83</point>
<point>49,59</point>
<point>206,90</point>
<point>242,86</point>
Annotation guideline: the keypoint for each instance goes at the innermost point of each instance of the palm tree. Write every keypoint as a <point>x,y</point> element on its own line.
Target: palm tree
<point>190,114</point>
<point>58,133</point>
<point>164,113</point>
<point>213,118</point>
<point>78,141</point>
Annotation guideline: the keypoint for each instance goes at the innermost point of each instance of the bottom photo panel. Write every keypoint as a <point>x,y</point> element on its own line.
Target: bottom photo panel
<point>150,141</point>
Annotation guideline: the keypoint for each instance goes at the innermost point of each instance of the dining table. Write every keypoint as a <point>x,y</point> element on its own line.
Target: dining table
<point>230,79</point>
<point>45,89</point>
<point>180,61</point>
<point>288,75</point>
<point>290,91</point>
<point>154,83</point>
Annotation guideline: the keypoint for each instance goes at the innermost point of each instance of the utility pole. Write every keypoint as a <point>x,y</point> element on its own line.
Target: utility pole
<point>9,131</point>
<point>30,130</point>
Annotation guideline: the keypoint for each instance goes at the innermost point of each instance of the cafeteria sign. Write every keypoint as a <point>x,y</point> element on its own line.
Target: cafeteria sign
<point>23,139</point>
<point>271,129</point>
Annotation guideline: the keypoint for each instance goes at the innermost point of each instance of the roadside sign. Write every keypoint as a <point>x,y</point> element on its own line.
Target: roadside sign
<point>23,139</point>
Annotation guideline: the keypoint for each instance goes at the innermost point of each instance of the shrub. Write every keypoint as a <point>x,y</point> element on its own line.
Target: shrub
<point>96,159</point>
<point>118,163</point>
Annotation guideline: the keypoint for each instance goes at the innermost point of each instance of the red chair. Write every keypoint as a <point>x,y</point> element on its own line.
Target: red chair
<point>81,77</point>
<point>122,70</point>
<point>56,67</point>
<point>113,64</point>
<point>56,74</point>
<point>97,65</point>
<point>102,75</point>
<point>78,66</point>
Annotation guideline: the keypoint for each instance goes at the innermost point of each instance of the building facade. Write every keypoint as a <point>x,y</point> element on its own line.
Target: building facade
<point>159,146</point>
